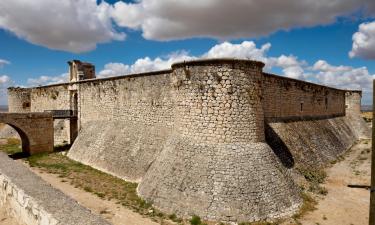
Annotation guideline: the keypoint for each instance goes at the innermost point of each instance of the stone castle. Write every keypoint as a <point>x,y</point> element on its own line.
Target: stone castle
<point>217,138</point>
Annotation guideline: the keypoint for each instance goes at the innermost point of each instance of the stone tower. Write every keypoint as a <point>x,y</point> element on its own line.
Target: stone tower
<point>80,70</point>
<point>353,112</point>
<point>216,163</point>
<point>19,100</point>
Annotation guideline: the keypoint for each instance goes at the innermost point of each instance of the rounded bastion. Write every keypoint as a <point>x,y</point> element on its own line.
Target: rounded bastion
<point>216,163</point>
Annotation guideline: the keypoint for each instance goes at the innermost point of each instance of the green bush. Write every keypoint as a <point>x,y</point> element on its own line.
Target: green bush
<point>196,220</point>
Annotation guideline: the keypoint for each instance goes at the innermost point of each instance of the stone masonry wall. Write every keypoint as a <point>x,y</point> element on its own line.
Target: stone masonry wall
<point>353,112</point>
<point>124,123</point>
<point>286,98</point>
<point>19,100</point>
<point>32,201</point>
<point>54,97</point>
<point>216,163</point>
<point>214,138</point>
<point>310,143</point>
<point>35,130</point>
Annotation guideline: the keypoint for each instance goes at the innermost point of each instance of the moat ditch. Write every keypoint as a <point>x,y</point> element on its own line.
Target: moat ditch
<point>116,200</point>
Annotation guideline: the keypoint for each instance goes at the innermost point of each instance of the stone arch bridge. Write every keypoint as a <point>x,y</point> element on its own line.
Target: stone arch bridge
<point>35,129</point>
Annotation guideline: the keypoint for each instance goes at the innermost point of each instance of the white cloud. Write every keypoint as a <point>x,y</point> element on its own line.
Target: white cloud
<point>345,77</point>
<point>223,19</point>
<point>79,25</point>
<point>114,69</point>
<point>46,80</point>
<point>364,41</point>
<point>69,25</point>
<point>5,82</point>
<point>290,65</point>
<point>144,65</point>
<point>4,62</point>
<point>244,50</point>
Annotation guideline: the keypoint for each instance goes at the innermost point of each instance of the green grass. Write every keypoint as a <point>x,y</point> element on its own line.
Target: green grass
<point>12,146</point>
<point>101,184</point>
<point>315,177</point>
<point>94,181</point>
<point>308,205</point>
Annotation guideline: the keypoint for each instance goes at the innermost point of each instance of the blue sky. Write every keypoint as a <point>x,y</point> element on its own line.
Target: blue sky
<point>315,49</point>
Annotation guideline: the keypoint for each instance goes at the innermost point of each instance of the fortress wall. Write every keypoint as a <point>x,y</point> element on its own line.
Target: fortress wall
<point>124,123</point>
<point>145,99</point>
<point>30,200</point>
<point>328,124</point>
<point>54,97</point>
<point>19,100</point>
<point>213,138</point>
<point>216,163</point>
<point>286,98</point>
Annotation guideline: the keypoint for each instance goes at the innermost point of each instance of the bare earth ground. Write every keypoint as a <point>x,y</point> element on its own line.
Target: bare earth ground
<point>109,210</point>
<point>343,205</point>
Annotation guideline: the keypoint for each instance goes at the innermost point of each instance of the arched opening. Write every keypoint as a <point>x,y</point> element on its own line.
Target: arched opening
<point>10,132</point>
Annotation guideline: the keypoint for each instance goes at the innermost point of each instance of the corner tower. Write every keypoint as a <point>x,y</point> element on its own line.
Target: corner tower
<point>216,164</point>
<point>19,100</point>
<point>353,112</point>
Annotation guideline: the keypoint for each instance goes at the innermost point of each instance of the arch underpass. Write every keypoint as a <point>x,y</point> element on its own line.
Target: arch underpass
<point>35,129</point>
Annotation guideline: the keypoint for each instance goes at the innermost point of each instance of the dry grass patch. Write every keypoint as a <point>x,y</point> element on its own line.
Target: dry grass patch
<point>12,146</point>
<point>94,181</point>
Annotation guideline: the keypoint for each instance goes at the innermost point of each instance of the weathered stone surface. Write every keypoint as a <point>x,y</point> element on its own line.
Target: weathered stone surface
<point>40,99</point>
<point>124,149</point>
<point>220,170</point>
<point>286,98</point>
<point>225,182</point>
<point>32,201</point>
<point>19,100</point>
<point>353,113</point>
<point>194,136</point>
<point>310,143</point>
<point>35,130</point>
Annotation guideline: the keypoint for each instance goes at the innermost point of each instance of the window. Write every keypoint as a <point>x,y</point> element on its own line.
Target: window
<point>26,105</point>
<point>301,106</point>
<point>326,103</point>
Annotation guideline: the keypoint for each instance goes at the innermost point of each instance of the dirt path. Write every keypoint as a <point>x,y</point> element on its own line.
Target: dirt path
<point>109,210</point>
<point>343,205</point>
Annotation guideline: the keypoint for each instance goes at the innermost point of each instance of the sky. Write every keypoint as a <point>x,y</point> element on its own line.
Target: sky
<point>330,42</point>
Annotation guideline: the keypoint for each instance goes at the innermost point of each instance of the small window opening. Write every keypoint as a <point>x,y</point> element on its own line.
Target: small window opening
<point>326,103</point>
<point>26,105</point>
<point>301,107</point>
